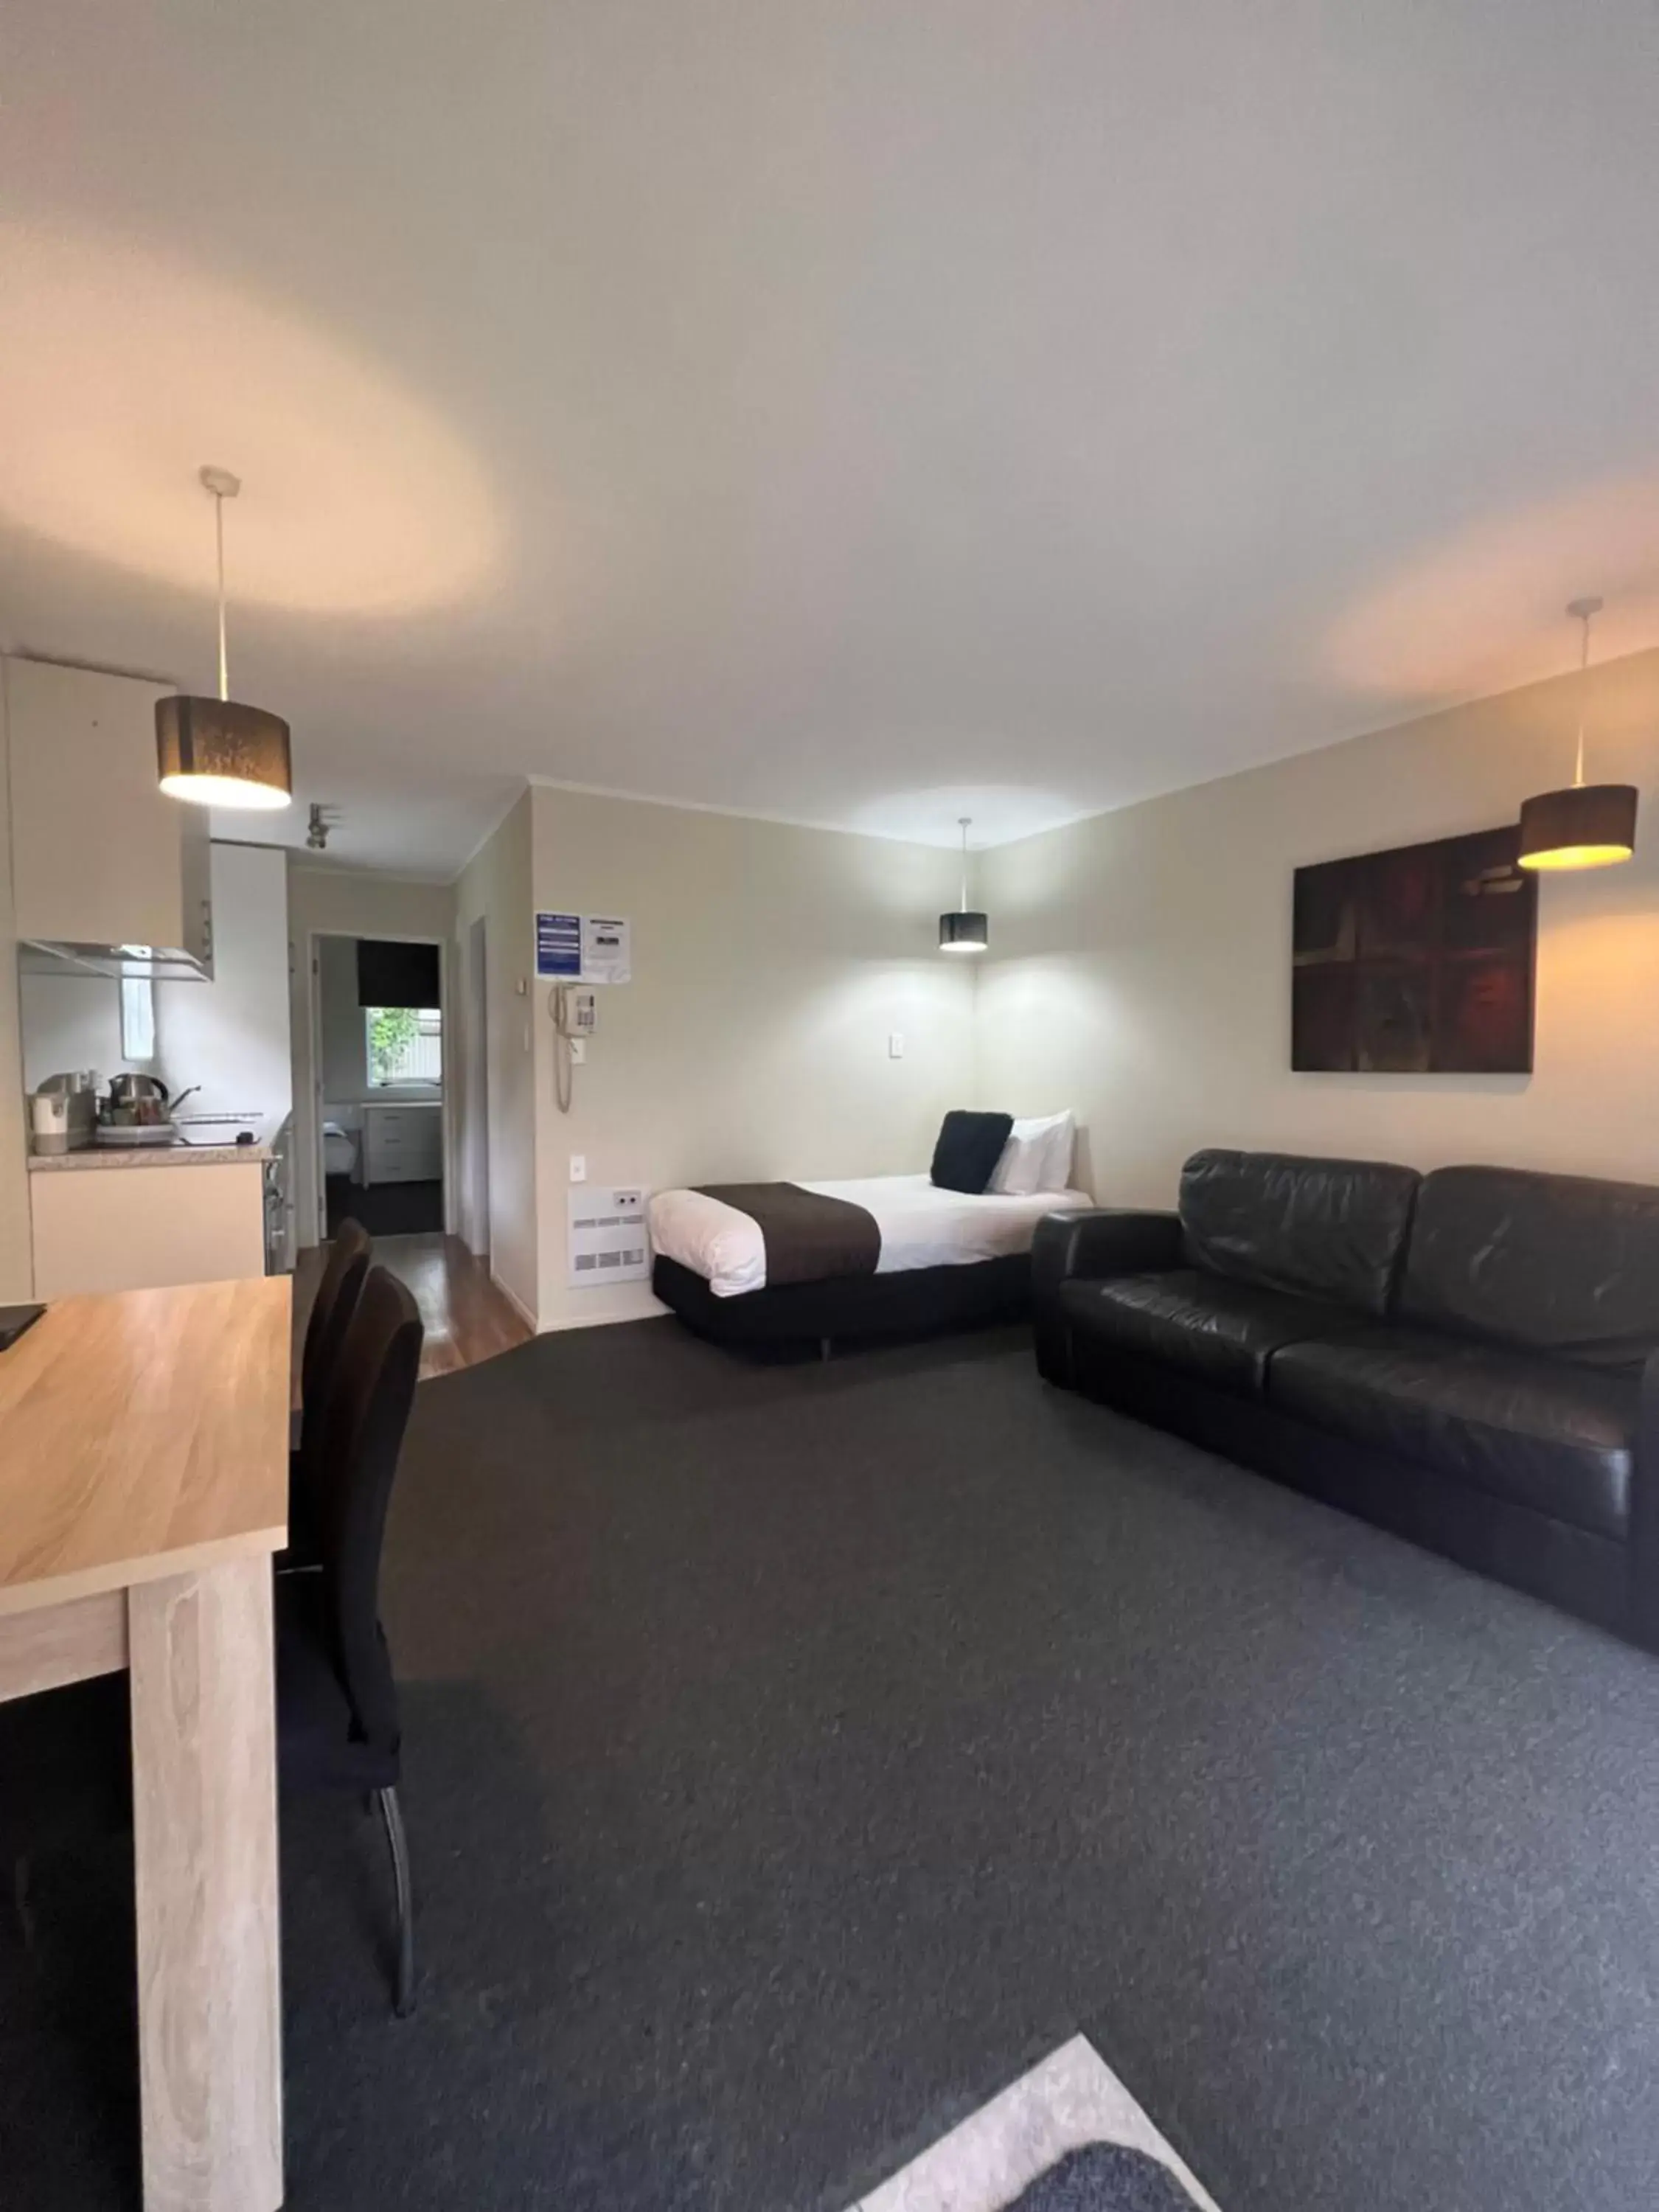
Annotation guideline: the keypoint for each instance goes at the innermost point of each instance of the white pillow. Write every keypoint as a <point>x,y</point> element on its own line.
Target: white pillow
<point>1036,1157</point>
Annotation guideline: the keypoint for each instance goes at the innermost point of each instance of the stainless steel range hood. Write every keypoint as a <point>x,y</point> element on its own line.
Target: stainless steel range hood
<point>160,963</point>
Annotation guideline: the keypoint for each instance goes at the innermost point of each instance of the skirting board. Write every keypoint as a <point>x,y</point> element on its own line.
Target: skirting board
<point>516,1302</point>
<point>655,1312</point>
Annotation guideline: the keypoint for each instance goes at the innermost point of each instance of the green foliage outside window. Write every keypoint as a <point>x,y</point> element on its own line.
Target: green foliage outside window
<point>391,1034</point>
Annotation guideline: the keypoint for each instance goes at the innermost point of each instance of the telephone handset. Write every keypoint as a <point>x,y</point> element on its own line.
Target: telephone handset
<point>575,1011</point>
<point>575,1014</point>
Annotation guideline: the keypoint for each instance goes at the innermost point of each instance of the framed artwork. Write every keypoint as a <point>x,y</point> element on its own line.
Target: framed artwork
<point>1420,961</point>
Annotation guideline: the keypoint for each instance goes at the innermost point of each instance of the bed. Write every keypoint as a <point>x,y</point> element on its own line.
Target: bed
<point>770,1263</point>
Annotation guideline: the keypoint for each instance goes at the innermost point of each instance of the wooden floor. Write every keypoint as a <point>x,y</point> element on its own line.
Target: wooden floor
<point>466,1317</point>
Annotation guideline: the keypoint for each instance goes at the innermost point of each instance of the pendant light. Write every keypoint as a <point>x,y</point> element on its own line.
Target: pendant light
<point>1589,825</point>
<point>966,930</point>
<point>215,751</point>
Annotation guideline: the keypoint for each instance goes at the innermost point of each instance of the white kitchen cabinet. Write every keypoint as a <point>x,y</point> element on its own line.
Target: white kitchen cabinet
<point>137,1225</point>
<point>404,1143</point>
<point>101,857</point>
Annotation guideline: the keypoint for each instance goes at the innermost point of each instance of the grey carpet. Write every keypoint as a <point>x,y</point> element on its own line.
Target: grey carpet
<point>797,1755</point>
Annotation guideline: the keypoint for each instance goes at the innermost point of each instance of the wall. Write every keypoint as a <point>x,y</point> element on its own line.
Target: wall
<point>770,964</point>
<point>15,1271</point>
<point>70,1022</point>
<point>1142,968</point>
<point>495,885</point>
<point>346,902</point>
<point>228,1038</point>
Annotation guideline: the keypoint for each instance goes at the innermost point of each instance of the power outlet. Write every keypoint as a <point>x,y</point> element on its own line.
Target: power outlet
<point>579,1167</point>
<point>578,1052</point>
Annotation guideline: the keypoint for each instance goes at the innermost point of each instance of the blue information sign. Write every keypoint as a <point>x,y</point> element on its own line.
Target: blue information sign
<point>559,944</point>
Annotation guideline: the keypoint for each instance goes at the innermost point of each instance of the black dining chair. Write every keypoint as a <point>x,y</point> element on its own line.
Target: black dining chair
<point>66,1773</point>
<point>349,1260</point>
<point>337,1725</point>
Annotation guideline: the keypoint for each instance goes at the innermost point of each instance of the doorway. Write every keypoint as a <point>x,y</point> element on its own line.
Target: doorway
<point>378,1067</point>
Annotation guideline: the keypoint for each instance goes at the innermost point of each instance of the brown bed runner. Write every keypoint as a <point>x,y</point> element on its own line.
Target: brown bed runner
<point>808,1237</point>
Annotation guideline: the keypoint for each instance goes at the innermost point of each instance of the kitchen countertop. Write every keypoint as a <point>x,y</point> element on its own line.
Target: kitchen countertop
<point>150,1156</point>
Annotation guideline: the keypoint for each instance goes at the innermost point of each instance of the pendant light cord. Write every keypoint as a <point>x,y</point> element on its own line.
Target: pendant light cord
<point>219,533</point>
<point>964,819</point>
<point>1583,673</point>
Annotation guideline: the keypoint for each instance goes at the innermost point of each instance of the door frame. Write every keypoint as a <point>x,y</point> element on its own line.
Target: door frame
<point>472,1135</point>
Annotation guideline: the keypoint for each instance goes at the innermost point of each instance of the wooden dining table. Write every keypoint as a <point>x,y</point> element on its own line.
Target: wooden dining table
<point>143,1488</point>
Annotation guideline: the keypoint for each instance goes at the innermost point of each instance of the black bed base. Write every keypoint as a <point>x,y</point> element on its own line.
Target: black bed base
<point>913,1302</point>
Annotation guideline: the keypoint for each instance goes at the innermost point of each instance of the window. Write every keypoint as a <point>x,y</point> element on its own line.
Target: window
<point>138,1018</point>
<point>404,1044</point>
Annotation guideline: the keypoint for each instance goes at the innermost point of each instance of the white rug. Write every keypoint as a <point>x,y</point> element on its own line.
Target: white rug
<point>1071,2098</point>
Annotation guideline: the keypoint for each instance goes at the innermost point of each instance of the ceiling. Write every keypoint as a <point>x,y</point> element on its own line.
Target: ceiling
<point>856,412</point>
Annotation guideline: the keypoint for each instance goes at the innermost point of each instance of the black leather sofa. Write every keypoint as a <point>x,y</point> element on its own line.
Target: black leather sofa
<point>1470,1358</point>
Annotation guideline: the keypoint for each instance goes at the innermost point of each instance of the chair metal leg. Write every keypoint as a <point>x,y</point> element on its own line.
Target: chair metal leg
<point>823,1348</point>
<point>392,1813</point>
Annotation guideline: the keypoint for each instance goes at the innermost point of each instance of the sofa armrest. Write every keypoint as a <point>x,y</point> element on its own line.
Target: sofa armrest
<point>1088,1245</point>
<point>1105,1240</point>
<point>1644,1514</point>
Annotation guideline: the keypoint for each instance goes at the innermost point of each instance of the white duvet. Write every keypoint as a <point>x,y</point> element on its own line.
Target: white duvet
<point>920,1226</point>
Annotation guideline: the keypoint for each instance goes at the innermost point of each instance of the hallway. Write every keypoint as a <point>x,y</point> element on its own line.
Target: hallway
<point>466,1318</point>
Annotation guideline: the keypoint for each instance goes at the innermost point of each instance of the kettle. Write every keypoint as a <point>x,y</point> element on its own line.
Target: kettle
<point>134,1100</point>
<point>128,1090</point>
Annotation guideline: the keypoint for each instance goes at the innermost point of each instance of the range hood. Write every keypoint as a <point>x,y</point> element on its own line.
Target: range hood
<point>160,963</point>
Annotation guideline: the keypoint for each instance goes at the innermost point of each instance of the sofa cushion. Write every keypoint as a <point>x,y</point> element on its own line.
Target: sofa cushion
<point>1316,1229</point>
<point>1563,1264</point>
<point>1537,1432</point>
<point>1218,1331</point>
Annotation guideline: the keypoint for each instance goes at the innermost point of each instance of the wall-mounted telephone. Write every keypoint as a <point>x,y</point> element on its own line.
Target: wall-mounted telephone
<point>575,1010</point>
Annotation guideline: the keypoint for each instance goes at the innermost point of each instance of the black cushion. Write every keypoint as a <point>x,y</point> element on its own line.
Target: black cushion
<point>1314,1228</point>
<point>1565,1265</point>
<point>969,1146</point>
<point>1217,1330</point>
<point>1537,1432</point>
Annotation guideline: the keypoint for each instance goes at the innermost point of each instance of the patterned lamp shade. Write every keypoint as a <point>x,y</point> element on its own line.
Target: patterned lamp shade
<point>220,754</point>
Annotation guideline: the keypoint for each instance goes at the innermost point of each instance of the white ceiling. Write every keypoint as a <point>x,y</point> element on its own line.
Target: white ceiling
<point>857,410</point>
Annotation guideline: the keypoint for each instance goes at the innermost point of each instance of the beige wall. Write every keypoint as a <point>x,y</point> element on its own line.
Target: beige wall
<point>770,965</point>
<point>496,886</point>
<point>352,902</point>
<point>15,1267</point>
<point>1142,968</point>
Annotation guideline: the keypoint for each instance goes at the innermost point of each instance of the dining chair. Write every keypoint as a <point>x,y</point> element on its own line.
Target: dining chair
<point>65,1772</point>
<point>348,1260</point>
<point>337,1722</point>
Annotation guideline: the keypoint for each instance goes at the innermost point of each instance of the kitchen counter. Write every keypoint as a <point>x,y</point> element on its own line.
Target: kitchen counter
<point>150,1156</point>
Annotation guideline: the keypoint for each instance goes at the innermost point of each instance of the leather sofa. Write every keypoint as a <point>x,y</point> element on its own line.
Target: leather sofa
<point>1470,1358</point>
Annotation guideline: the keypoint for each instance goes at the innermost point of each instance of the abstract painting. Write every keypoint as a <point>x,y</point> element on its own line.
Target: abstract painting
<point>1419,961</point>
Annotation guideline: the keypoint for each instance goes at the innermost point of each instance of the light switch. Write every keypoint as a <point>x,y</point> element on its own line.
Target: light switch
<point>578,1052</point>
<point>579,1167</point>
<point>896,1044</point>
